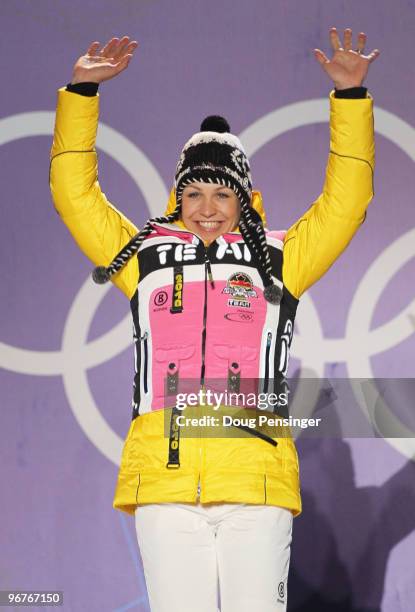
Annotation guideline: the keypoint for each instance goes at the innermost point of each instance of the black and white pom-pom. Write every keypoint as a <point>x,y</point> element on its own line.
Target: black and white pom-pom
<point>273,294</point>
<point>100,275</point>
<point>215,123</point>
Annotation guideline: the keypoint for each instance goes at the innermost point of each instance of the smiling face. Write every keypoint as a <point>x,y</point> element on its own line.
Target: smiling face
<point>210,210</point>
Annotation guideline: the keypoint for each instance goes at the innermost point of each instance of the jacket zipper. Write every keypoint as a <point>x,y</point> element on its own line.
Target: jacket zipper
<point>267,350</point>
<point>208,274</point>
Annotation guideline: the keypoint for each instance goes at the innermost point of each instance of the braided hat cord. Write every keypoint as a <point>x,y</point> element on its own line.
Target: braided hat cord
<point>102,274</point>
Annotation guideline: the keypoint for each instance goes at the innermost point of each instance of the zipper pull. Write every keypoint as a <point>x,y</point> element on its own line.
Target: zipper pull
<point>209,269</point>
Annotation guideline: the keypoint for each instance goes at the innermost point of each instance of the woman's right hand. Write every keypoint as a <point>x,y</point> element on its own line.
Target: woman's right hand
<point>97,66</point>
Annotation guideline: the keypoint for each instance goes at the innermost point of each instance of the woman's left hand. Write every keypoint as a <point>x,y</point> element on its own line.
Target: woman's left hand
<point>347,67</point>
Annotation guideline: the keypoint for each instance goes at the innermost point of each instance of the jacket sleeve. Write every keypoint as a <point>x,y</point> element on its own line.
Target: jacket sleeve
<point>99,229</point>
<point>314,242</point>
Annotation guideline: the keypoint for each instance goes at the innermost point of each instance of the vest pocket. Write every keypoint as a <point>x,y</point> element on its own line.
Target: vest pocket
<point>171,363</point>
<point>237,368</point>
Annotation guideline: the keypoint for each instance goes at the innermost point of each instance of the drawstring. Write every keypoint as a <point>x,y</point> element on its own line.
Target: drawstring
<point>209,269</point>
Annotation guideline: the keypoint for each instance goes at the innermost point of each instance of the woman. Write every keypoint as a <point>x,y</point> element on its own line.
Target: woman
<point>213,296</point>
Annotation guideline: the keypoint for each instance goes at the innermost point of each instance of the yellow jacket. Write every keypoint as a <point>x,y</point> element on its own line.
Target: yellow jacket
<point>255,472</point>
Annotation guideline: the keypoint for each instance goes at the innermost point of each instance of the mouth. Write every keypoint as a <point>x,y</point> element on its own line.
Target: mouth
<point>209,226</point>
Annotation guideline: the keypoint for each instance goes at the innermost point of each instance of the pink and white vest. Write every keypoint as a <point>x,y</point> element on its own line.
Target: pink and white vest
<point>199,315</point>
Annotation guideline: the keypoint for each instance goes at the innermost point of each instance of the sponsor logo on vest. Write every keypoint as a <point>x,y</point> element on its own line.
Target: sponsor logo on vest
<point>240,317</point>
<point>160,298</point>
<point>240,286</point>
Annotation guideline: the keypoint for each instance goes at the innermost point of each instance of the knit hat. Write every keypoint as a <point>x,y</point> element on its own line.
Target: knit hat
<point>213,155</point>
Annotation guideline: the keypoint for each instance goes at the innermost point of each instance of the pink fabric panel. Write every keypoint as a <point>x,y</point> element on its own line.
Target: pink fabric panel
<point>233,335</point>
<point>184,348</point>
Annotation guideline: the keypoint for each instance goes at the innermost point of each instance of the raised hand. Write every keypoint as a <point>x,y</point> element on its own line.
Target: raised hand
<point>348,67</point>
<point>97,66</point>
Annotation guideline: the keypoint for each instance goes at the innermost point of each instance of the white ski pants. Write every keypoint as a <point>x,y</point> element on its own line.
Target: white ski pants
<point>195,556</point>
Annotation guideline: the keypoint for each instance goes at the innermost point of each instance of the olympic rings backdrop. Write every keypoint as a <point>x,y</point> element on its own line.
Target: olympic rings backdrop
<point>66,345</point>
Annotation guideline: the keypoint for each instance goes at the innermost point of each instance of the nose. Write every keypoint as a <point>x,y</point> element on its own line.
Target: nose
<point>207,207</point>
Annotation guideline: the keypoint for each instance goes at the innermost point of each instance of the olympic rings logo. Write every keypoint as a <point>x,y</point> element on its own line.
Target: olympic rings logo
<point>355,349</point>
